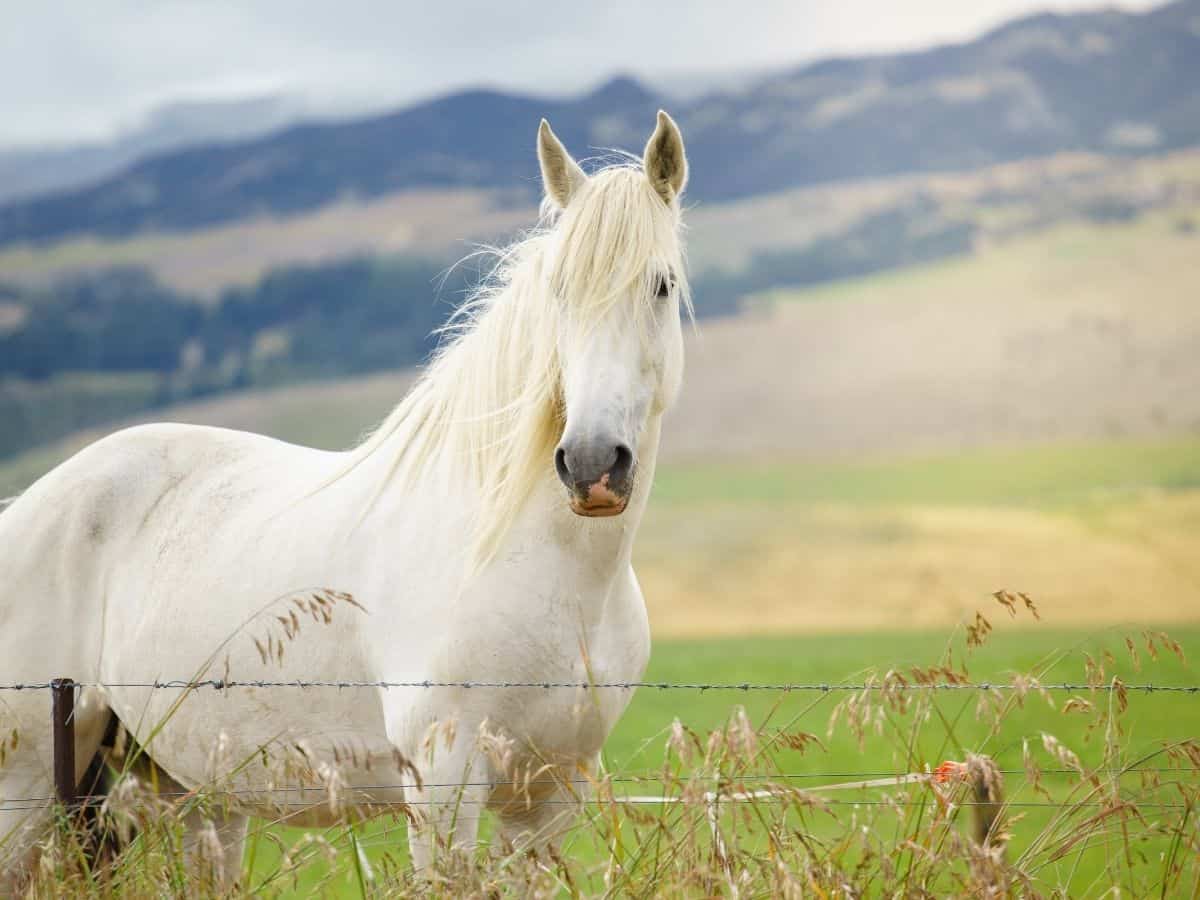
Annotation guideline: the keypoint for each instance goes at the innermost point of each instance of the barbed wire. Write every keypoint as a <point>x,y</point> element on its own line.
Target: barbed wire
<point>896,779</point>
<point>221,684</point>
<point>47,802</point>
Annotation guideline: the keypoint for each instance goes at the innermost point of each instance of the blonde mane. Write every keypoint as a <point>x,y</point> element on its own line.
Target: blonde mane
<point>489,403</point>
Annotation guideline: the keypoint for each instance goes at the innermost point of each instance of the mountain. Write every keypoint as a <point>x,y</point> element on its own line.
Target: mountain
<point>26,172</point>
<point>476,137</point>
<point>1108,81</point>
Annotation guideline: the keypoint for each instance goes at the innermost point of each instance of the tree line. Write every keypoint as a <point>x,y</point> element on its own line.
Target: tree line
<point>144,344</point>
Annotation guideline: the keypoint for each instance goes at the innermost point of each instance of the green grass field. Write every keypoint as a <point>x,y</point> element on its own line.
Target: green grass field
<point>1043,476</point>
<point>638,746</point>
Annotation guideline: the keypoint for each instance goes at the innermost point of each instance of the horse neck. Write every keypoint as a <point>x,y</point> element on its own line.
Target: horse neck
<point>601,548</point>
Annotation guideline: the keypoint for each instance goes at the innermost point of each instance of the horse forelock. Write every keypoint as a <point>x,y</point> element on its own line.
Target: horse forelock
<point>614,240</point>
<point>490,401</point>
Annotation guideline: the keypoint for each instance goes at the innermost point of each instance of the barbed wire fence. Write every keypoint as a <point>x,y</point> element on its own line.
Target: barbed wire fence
<point>63,694</point>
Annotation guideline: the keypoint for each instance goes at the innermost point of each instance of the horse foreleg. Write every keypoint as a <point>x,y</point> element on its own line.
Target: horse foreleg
<point>446,809</point>
<point>26,780</point>
<point>21,830</point>
<point>213,843</point>
<point>536,820</point>
<point>214,836</point>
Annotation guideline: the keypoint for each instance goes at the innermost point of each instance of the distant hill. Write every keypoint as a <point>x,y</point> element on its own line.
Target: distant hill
<point>26,172</point>
<point>1101,81</point>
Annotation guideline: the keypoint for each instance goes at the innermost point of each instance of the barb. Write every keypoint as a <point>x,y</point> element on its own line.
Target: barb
<point>221,684</point>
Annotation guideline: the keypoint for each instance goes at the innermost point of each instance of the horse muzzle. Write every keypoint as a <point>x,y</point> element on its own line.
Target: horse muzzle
<point>598,477</point>
<point>598,501</point>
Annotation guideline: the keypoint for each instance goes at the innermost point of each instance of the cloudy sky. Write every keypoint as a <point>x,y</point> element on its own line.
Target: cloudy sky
<point>84,70</point>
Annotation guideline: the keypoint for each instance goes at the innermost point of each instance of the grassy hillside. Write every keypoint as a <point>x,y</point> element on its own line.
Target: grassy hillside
<point>39,412</point>
<point>437,223</point>
<point>1082,331</point>
<point>1096,231</point>
<point>1079,331</point>
<point>1000,200</point>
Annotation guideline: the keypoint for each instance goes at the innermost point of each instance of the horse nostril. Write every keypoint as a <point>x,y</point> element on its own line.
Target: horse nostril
<point>624,464</point>
<point>560,465</point>
<point>580,468</point>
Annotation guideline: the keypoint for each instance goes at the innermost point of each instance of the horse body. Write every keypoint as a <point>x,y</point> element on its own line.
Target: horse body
<point>169,552</point>
<point>117,607</point>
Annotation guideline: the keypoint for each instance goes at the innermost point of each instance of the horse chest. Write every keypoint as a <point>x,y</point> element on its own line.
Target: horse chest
<point>558,653</point>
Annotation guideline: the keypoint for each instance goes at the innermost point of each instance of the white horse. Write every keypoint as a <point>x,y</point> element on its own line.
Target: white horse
<point>170,551</point>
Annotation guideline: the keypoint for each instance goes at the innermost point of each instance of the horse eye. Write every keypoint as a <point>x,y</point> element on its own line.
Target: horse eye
<point>663,289</point>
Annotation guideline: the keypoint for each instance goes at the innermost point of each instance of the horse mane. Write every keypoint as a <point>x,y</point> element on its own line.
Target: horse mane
<point>489,403</point>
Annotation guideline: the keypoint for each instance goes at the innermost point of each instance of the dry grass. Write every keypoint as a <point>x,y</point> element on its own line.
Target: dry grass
<point>1080,814</point>
<point>796,569</point>
<point>1081,332</point>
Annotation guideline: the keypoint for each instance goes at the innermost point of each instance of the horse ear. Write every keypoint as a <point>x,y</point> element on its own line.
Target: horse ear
<point>665,162</point>
<point>561,175</point>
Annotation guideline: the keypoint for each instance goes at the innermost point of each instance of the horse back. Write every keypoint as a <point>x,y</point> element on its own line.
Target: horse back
<point>62,540</point>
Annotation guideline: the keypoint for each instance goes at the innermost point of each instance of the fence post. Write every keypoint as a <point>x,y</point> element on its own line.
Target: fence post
<point>62,713</point>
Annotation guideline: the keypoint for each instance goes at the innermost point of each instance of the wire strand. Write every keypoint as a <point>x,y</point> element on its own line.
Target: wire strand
<point>46,802</point>
<point>895,777</point>
<point>221,684</point>
<point>879,780</point>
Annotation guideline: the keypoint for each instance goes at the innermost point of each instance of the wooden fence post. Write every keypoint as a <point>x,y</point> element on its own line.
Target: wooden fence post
<point>62,712</point>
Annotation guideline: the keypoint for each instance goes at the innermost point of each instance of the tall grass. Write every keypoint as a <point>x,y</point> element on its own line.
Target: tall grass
<point>749,807</point>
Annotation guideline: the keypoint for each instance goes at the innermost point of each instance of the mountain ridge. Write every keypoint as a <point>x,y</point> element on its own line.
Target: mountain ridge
<point>27,171</point>
<point>1098,81</point>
